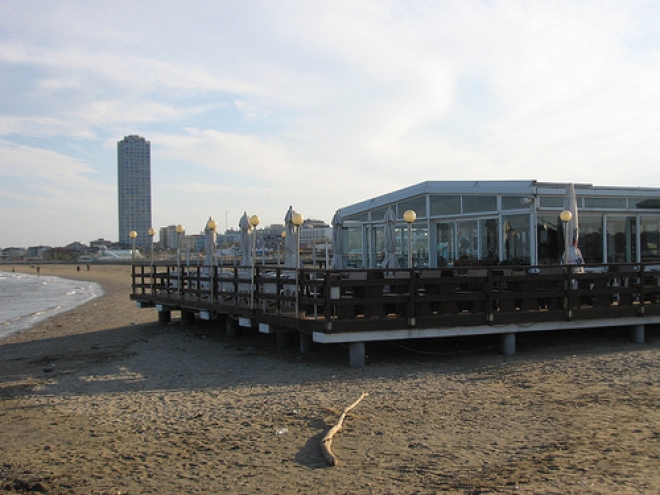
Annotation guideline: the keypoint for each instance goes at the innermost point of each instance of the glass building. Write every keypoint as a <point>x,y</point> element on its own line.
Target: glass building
<point>134,188</point>
<point>504,222</point>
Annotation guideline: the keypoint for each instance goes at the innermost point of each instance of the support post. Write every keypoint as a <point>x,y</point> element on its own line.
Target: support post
<point>305,343</point>
<point>284,338</point>
<point>164,316</point>
<point>508,344</point>
<point>358,356</point>
<point>187,318</point>
<point>232,328</point>
<point>637,335</point>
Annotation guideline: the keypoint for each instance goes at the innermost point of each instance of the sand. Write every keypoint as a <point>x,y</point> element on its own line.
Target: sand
<point>103,399</point>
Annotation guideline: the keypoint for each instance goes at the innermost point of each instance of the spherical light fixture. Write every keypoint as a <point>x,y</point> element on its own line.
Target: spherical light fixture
<point>151,231</point>
<point>211,224</point>
<point>132,234</point>
<point>565,216</point>
<point>180,229</point>
<point>410,216</point>
<point>254,220</point>
<point>298,219</point>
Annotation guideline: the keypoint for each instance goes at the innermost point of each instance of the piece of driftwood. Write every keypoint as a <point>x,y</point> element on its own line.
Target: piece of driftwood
<point>327,439</point>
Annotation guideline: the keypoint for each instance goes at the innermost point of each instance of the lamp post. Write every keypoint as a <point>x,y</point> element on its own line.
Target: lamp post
<point>410,216</point>
<point>297,220</point>
<point>254,221</point>
<point>212,225</point>
<point>132,234</point>
<point>152,233</point>
<point>180,229</point>
<point>279,243</point>
<point>566,216</point>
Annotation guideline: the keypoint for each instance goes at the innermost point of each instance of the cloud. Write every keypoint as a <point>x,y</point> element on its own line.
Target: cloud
<point>258,105</point>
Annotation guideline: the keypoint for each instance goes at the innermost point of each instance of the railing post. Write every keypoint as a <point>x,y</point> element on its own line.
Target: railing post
<point>567,299</point>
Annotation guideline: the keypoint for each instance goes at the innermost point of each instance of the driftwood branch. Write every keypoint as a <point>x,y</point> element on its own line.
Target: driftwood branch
<point>327,439</point>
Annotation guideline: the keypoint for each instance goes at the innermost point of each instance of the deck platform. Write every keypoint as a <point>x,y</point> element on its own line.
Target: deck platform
<point>357,306</point>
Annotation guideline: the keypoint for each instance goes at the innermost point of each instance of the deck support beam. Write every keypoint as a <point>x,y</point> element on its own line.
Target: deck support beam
<point>284,338</point>
<point>305,343</point>
<point>187,318</point>
<point>164,316</point>
<point>232,327</point>
<point>508,344</point>
<point>637,335</point>
<point>358,355</point>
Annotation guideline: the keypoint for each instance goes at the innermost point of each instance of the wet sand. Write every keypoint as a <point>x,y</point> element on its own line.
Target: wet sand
<point>103,399</point>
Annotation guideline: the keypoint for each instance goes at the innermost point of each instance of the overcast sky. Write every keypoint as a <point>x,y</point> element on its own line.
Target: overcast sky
<point>254,105</point>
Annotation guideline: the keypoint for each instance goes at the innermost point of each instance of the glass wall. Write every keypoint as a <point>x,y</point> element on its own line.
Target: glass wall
<point>650,238</point>
<point>353,248</point>
<point>468,240</point>
<point>497,228</point>
<point>549,239</point>
<point>489,239</point>
<point>517,245</point>
<point>590,240</point>
<point>420,245</point>
<point>446,251</point>
<point>621,245</point>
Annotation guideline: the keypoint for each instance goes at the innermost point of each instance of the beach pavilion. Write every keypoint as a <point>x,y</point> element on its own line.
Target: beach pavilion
<point>503,222</point>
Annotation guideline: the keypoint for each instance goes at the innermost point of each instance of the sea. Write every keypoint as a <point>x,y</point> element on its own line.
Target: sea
<point>26,299</point>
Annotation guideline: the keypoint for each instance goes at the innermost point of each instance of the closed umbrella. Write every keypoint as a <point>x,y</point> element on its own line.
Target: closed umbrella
<point>337,242</point>
<point>291,240</point>
<point>244,224</point>
<point>572,228</point>
<point>390,260</point>
<point>209,243</point>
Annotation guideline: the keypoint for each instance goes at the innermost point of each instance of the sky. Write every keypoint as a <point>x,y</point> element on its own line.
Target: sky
<point>258,105</point>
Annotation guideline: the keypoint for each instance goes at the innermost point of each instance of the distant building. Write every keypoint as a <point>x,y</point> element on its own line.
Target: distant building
<point>13,254</point>
<point>168,237</point>
<point>37,252</point>
<point>134,189</point>
<point>314,232</point>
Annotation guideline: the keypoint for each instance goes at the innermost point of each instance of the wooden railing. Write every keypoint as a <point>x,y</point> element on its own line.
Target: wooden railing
<point>394,298</point>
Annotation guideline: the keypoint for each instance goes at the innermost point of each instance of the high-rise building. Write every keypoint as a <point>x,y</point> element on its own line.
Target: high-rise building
<point>134,181</point>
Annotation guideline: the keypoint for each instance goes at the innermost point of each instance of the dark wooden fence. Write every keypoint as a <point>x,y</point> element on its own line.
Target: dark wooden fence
<point>364,300</point>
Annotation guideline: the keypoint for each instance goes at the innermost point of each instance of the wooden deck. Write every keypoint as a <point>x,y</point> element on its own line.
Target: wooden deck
<point>358,306</point>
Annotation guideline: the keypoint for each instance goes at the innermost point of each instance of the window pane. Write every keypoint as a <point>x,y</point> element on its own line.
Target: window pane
<point>605,202</point>
<point>620,239</point>
<point>420,239</point>
<point>513,202</point>
<point>650,237</point>
<point>468,240</point>
<point>361,217</point>
<point>516,239</point>
<point>378,214</point>
<point>445,247</point>
<point>549,239</point>
<point>646,203</point>
<point>353,245</point>
<point>552,202</point>
<point>475,204</point>
<point>418,205</point>
<point>445,205</point>
<point>489,239</point>
<point>590,240</point>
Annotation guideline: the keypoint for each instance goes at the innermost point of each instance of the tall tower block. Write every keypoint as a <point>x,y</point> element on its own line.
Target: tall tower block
<point>134,188</point>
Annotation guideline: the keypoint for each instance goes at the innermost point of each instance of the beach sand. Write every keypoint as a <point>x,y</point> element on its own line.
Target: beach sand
<point>103,399</point>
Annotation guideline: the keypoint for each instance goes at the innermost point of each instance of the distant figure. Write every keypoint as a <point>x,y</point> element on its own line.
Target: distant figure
<point>78,268</point>
<point>87,267</point>
<point>38,269</point>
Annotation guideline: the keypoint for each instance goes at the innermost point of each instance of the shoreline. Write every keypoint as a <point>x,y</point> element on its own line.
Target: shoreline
<point>33,317</point>
<point>102,398</point>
